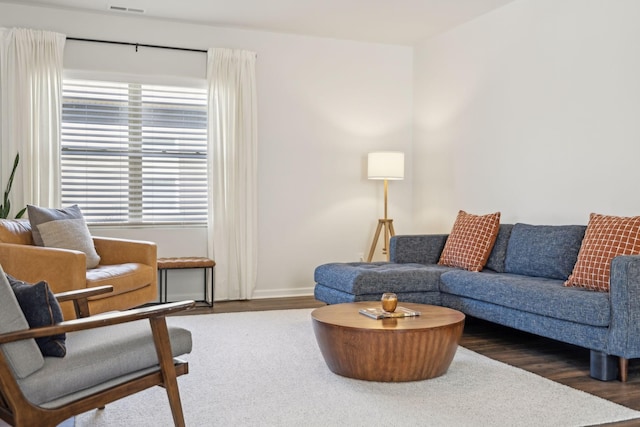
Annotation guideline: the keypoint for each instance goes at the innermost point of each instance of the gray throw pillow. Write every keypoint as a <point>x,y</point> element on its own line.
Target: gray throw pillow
<point>62,228</point>
<point>23,356</point>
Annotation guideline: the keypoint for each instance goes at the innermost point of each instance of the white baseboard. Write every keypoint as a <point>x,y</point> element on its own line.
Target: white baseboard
<point>188,284</point>
<point>274,293</point>
<point>282,293</point>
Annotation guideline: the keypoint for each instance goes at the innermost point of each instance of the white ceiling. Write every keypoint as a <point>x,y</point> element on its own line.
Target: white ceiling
<point>382,21</point>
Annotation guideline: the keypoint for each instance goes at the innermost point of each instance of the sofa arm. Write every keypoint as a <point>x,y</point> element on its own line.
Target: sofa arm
<point>624,294</point>
<point>422,249</point>
<point>120,251</point>
<point>63,269</point>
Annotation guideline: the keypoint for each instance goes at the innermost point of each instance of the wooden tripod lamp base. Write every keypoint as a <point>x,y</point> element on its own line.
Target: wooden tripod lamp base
<point>385,165</point>
<point>387,224</point>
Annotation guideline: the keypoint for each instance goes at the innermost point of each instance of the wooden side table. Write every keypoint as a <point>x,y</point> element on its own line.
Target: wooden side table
<point>178,263</point>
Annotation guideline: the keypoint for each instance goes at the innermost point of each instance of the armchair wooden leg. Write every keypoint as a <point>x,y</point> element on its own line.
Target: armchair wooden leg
<point>165,359</point>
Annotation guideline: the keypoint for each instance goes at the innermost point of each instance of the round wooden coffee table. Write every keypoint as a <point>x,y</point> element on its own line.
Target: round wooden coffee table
<point>399,349</point>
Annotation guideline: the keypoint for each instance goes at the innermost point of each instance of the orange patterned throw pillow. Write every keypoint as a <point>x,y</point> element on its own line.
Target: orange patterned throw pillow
<point>470,241</point>
<point>606,237</point>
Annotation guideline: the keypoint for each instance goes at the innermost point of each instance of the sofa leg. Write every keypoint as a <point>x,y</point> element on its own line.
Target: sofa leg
<point>623,366</point>
<point>604,367</point>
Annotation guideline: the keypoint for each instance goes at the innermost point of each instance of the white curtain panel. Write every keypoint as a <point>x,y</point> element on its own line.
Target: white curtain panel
<point>233,151</point>
<point>30,114</point>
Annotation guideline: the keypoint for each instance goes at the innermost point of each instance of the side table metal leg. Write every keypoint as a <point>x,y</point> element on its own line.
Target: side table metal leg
<point>160,285</point>
<point>166,285</point>
<point>205,284</point>
<point>211,281</point>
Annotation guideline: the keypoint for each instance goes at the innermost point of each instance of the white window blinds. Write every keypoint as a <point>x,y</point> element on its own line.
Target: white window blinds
<point>134,153</point>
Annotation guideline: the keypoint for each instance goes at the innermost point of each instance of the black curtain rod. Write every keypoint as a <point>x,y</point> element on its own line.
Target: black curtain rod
<point>137,45</point>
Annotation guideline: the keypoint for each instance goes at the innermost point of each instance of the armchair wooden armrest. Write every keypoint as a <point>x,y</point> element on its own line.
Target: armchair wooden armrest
<point>80,298</point>
<point>105,319</point>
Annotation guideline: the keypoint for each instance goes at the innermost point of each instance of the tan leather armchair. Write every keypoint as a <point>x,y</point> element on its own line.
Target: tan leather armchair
<point>127,265</point>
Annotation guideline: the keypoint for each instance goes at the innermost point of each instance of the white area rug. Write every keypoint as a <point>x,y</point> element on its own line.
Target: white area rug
<point>265,369</point>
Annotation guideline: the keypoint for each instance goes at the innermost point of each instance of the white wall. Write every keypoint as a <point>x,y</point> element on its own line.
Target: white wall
<point>323,105</point>
<point>531,110</point>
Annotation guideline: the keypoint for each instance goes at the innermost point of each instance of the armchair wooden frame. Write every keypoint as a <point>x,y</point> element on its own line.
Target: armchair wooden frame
<point>16,410</point>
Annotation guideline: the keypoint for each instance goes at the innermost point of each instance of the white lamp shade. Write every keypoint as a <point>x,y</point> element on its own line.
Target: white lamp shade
<point>386,165</point>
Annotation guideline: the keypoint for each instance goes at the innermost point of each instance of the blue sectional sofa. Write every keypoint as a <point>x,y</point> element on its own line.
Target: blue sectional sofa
<point>521,287</point>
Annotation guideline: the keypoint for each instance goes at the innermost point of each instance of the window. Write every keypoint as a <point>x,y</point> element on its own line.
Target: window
<point>134,154</point>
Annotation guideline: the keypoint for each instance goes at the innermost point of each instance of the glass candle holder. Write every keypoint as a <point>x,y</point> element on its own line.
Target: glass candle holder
<point>389,302</point>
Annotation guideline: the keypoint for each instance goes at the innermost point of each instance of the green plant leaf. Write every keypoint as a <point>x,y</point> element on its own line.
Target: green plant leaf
<point>5,208</point>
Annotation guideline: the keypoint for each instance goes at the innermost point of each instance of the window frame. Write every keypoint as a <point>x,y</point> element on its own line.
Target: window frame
<point>136,212</point>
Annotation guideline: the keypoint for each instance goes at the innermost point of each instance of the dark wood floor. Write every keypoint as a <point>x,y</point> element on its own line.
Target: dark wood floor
<point>563,363</point>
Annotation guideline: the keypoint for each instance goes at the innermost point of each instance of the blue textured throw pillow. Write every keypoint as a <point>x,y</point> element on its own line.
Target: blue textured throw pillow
<point>40,308</point>
<point>543,250</point>
<point>499,251</point>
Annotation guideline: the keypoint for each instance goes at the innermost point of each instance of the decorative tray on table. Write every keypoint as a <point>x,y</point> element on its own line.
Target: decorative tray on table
<point>378,313</point>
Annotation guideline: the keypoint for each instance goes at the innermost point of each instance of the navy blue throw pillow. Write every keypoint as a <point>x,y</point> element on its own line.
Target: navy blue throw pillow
<point>40,308</point>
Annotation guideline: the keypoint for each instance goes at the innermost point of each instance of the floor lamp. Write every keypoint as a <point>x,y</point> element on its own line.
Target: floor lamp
<point>385,165</point>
